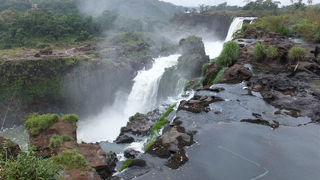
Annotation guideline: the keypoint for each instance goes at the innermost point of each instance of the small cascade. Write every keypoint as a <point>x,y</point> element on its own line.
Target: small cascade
<point>237,25</point>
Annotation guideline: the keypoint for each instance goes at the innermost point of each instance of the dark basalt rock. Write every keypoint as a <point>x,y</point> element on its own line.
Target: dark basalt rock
<point>123,139</point>
<point>198,104</point>
<point>131,153</point>
<point>236,74</point>
<point>171,145</point>
<point>137,162</point>
<point>141,124</point>
<point>8,148</point>
<point>273,125</point>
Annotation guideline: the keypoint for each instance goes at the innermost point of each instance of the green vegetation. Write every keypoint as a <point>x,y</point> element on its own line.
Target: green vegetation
<point>227,58</point>
<point>260,51</point>
<point>134,117</point>
<point>204,69</point>
<point>29,166</point>
<point>56,141</point>
<point>126,164</point>
<point>155,131</point>
<point>229,54</point>
<point>37,123</point>
<point>297,54</point>
<point>150,143</point>
<point>293,20</point>
<point>162,121</point>
<point>219,76</point>
<point>71,159</point>
<point>272,52</point>
<point>192,84</point>
<point>71,118</point>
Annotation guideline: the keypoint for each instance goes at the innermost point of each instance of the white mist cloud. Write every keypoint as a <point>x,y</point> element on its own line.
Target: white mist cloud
<point>215,2</point>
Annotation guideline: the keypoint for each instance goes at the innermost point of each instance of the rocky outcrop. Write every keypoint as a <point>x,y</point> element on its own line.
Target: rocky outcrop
<point>198,104</point>
<point>131,153</point>
<point>139,124</point>
<point>9,149</point>
<point>103,163</point>
<point>236,74</point>
<point>189,66</point>
<point>171,145</point>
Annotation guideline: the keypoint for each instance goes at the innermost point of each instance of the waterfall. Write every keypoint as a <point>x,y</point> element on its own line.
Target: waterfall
<point>143,96</point>
<point>236,25</point>
<point>106,125</point>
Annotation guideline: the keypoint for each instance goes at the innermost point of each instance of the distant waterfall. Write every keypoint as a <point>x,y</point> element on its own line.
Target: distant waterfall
<point>142,98</point>
<point>236,25</point>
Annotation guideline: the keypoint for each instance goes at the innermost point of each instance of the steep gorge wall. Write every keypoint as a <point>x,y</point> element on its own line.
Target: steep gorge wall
<point>214,25</point>
<point>63,85</point>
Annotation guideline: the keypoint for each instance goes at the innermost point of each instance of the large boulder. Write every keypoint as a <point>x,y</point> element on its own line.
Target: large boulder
<point>236,74</point>
<point>171,145</point>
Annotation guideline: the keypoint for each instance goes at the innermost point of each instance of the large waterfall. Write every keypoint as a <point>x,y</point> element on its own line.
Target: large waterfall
<point>142,98</point>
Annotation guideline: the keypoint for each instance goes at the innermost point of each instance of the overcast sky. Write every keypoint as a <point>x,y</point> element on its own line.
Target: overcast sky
<point>215,2</point>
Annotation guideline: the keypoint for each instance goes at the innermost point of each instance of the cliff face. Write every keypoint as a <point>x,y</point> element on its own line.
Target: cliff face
<point>215,25</point>
<point>64,85</point>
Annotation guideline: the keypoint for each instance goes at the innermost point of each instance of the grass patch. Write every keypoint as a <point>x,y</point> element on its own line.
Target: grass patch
<point>150,143</point>
<point>71,118</point>
<point>260,51</point>
<point>204,69</point>
<point>272,52</point>
<point>219,76</point>
<point>29,166</point>
<point>56,141</point>
<point>229,54</point>
<point>126,164</point>
<point>37,123</point>
<point>297,54</point>
<point>134,117</point>
<point>71,159</point>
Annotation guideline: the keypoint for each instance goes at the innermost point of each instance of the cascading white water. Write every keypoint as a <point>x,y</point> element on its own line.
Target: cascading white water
<point>236,25</point>
<point>214,48</point>
<point>142,98</point>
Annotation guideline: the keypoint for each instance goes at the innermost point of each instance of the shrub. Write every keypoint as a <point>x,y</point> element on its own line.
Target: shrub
<point>204,69</point>
<point>297,54</point>
<point>272,52</point>
<point>29,166</point>
<point>259,51</point>
<point>71,159</point>
<point>229,54</point>
<point>192,84</point>
<point>126,164</point>
<point>37,123</point>
<point>219,76</point>
<point>56,141</point>
<point>71,118</point>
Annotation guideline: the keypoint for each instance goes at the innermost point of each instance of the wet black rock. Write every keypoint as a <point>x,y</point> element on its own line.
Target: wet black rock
<point>131,153</point>
<point>141,124</point>
<point>123,139</point>
<point>198,104</point>
<point>171,145</point>
<point>273,125</point>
